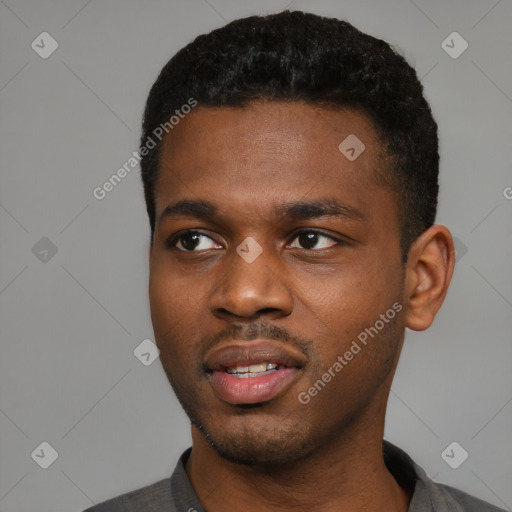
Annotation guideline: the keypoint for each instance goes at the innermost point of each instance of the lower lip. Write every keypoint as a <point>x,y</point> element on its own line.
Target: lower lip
<point>251,390</point>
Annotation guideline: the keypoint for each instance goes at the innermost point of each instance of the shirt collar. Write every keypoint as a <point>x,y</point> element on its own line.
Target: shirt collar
<point>406,472</point>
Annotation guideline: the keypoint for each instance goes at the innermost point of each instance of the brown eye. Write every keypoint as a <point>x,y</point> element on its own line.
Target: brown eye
<point>309,239</point>
<point>191,241</point>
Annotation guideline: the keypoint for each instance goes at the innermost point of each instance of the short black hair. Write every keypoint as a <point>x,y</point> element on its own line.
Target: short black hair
<point>297,56</point>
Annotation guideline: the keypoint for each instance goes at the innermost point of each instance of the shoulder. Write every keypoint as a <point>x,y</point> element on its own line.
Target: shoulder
<point>457,500</point>
<point>174,494</point>
<point>152,498</point>
<point>428,495</point>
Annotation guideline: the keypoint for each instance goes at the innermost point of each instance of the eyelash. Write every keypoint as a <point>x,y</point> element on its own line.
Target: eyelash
<point>171,242</point>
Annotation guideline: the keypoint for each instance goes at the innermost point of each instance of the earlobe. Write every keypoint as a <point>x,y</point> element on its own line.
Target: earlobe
<point>429,270</point>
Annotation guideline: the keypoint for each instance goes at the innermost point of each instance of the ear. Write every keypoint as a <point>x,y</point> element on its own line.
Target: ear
<point>429,270</point>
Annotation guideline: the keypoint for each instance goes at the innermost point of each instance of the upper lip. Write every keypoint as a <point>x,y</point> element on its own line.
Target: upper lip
<point>246,353</point>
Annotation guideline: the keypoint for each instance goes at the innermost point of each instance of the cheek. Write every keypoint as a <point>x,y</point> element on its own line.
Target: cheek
<point>358,290</point>
<point>335,310</point>
<point>173,314</point>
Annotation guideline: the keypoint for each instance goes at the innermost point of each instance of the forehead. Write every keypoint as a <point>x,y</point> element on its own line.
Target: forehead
<point>265,127</point>
<point>267,151</point>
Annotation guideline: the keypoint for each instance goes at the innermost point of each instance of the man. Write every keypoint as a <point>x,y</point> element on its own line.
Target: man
<point>290,168</point>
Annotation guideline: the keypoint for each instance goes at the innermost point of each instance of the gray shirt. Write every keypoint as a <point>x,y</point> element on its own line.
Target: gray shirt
<point>176,494</point>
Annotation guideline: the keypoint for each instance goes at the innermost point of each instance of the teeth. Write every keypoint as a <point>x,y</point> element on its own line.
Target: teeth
<point>256,368</point>
<point>244,371</point>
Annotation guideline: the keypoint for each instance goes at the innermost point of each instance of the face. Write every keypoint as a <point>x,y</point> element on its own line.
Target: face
<point>273,255</point>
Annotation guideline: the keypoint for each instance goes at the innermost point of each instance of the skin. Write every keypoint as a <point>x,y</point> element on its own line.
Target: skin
<point>317,294</point>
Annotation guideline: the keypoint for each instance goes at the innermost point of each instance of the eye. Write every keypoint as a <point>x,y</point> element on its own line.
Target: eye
<point>190,240</point>
<point>309,238</point>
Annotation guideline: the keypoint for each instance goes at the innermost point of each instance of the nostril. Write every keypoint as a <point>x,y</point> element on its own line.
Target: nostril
<point>267,310</point>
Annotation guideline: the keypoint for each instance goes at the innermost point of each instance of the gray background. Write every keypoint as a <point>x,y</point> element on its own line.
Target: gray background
<point>69,325</point>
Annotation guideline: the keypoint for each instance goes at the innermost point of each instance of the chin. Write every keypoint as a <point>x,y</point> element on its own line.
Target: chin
<point>251,437</point>
<point>270,446</point>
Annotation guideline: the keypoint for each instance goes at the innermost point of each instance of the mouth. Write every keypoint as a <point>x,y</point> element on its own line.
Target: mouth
<point>252,372</point>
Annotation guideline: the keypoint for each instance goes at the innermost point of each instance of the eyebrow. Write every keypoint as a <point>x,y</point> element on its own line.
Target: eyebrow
<point>294,210</point>
<point>303,210</point>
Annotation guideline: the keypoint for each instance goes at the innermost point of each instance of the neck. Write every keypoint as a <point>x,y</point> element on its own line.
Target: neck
<point>348,474</point>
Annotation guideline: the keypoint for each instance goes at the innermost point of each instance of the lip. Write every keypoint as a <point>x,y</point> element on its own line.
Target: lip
<point>252,390</point>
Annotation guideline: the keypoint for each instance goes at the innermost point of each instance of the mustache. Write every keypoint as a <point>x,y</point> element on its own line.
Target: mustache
<point>257,330</point>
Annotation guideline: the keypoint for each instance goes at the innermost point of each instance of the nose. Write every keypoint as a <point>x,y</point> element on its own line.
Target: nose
<point>248,290</point>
